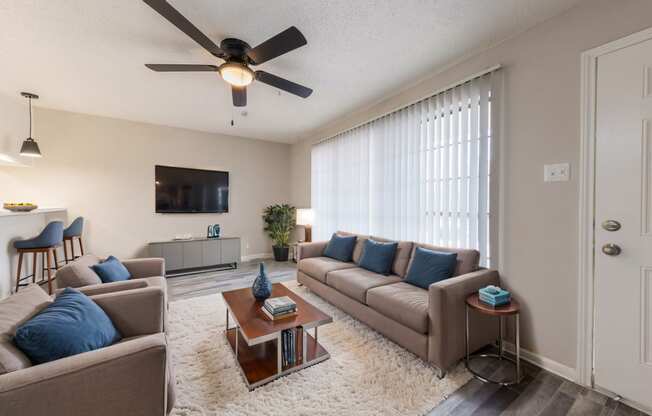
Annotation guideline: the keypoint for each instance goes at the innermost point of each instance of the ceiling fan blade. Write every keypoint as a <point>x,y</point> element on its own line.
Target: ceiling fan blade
<point>181,68</point>
<point>164,8</point>
<point>283,84</point>
<point>239,96</point>
<point>275,46</point>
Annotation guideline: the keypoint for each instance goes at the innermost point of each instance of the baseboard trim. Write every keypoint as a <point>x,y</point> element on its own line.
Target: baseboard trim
<point>259,256</point>
<point>547,364</point>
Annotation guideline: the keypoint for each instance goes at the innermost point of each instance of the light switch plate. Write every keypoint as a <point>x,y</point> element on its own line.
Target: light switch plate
<point>558,172</point>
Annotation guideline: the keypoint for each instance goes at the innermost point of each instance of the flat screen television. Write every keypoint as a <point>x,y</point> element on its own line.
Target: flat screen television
<point>184,190</point>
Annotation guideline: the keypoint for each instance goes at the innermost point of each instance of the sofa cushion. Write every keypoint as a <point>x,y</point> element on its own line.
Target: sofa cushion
<point>402,257</point>
<point>70,325</point>
<point>378,257</point>
<point>468,260</point>
<point>340,247</point>
<point>318,267</point>
<point>403,303</point>
<point>14,310</point>
<point>111,270</point>
<point>355,282</point>
<point>428,267</point>
<point>359,245</point>
<point>79,272</point>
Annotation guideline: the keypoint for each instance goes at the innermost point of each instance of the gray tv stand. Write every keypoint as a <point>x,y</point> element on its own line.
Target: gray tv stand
<point>197,255</point>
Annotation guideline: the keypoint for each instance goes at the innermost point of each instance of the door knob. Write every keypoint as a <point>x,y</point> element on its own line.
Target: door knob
<point>611,225</point>
<point>611,249</point>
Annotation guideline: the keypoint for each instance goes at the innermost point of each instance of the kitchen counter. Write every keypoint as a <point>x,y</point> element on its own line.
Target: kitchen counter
<point>37,211</point>
<point>17,226</point>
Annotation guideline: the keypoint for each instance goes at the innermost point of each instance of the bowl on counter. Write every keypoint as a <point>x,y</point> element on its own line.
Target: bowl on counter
<point>19,207</point>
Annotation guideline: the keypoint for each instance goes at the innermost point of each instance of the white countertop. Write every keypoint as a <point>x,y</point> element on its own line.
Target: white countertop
<point>7,213</point>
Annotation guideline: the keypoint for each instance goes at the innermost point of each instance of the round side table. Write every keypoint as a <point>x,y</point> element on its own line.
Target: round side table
<point>511,309</point>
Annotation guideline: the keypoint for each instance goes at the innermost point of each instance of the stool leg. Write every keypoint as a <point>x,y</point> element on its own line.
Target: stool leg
<point>34,255</point>
<point>49,272</point>
<point>72,248</point>
<point>81,246</point>
<point>42,265</point>
<point>56,260</point>
<point>20,265</point>
<point>65,251</point>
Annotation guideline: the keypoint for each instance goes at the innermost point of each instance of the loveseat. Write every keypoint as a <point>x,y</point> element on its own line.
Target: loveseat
<point>430,323</point>
<point>131,377</point>
<point>145,272</point>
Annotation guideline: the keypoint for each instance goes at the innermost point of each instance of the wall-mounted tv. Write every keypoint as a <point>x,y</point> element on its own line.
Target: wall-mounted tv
<point>184,190</point>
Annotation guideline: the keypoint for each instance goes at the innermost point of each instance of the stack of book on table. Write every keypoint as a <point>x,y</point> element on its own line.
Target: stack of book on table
<point>279,308</point>
<point>289,347</point>
<point>494,296</point>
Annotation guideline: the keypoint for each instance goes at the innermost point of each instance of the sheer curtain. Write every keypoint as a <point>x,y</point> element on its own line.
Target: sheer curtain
<point>422,173</point>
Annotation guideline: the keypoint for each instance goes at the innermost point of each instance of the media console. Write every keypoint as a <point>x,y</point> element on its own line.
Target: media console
<point>197,254</point>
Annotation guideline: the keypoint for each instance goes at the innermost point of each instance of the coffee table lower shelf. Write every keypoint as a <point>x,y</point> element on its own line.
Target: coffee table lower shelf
<point>259,364</point>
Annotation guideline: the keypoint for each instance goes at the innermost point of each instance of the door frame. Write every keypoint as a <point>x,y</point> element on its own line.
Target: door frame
<point>586,285</point>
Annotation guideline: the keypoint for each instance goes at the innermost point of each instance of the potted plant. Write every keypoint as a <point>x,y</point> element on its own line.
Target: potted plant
<point>279,223</point>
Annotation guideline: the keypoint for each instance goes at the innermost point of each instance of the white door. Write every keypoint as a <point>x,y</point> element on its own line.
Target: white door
<point>623,281</point>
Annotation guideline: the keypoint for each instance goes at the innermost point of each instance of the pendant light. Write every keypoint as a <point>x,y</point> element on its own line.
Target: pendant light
<point>30,147</point>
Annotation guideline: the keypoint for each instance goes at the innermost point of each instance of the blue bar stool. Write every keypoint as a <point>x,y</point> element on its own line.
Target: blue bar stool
<point>74,231</point>
<point>45,243</point>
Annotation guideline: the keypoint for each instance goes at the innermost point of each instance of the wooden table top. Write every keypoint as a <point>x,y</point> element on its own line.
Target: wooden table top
<point>256,327</point>
<point>511,308</point>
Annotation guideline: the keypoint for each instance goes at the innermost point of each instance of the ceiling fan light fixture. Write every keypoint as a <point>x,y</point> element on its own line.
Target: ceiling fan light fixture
<point>236,74</point>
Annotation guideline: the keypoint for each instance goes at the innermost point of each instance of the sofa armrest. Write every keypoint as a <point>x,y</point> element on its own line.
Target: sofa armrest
<point>102,288</point>
<point>128,378</point>
<point>307,250</point>
<point>447,313</point>
<point>145,267</point>
<point>135,312</point>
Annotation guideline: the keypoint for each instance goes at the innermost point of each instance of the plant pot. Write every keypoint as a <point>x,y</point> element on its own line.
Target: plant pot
<point>281,253</point>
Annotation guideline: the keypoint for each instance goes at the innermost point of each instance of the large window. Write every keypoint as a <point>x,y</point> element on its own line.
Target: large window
<point>422,173</point>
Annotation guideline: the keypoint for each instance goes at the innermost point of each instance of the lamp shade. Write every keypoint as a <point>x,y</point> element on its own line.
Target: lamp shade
<point>30,148</point>
<point>305,216</point>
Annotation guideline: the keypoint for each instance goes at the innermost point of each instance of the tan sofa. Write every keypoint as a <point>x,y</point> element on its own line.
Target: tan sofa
<point>430,323</point>
<point>131,377</point>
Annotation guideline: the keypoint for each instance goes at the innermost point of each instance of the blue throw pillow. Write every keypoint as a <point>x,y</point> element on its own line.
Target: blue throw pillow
<point>378,257</point>
<point>430,266</point>
<point>111,270</point>
<point>341,247</point>
<point>70,325</point>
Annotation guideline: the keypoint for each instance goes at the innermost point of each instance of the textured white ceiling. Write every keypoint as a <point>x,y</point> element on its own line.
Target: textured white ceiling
<point>88,56</point>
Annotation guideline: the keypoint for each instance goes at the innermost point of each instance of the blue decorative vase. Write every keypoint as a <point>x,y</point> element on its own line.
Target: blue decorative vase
<point>262,288</point>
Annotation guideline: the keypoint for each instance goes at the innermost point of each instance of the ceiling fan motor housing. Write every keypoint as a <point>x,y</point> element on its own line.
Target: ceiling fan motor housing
<point>236,50</point>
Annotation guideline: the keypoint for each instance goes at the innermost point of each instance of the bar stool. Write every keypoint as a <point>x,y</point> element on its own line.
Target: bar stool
<point>45,243</point>
<point>74,231</point>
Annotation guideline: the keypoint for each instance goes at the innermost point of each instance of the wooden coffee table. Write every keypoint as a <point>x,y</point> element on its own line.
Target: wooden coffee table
<point>255,339</point>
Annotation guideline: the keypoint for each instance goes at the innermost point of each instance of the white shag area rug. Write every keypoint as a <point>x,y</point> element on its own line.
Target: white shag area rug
<point>366,375</point>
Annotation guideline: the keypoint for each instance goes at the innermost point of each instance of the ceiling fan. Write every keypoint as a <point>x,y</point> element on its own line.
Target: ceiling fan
<point>237,54</point>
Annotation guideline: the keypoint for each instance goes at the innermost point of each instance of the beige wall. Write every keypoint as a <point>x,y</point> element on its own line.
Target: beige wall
<point>542,125</point>
<point>103,169</point>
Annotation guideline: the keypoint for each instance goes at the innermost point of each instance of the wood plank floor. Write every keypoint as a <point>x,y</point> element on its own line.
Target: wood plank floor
<point>541,393</point>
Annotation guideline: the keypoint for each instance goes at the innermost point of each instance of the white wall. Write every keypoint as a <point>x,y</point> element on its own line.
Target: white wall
<point>14,128</point>
<point>103,169</point>
<point>542,125</point>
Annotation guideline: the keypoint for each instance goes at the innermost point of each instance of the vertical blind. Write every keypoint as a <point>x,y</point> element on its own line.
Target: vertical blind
<point>422,173</point>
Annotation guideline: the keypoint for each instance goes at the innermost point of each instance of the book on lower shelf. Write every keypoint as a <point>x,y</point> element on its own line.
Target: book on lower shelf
<point>289,350</point>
